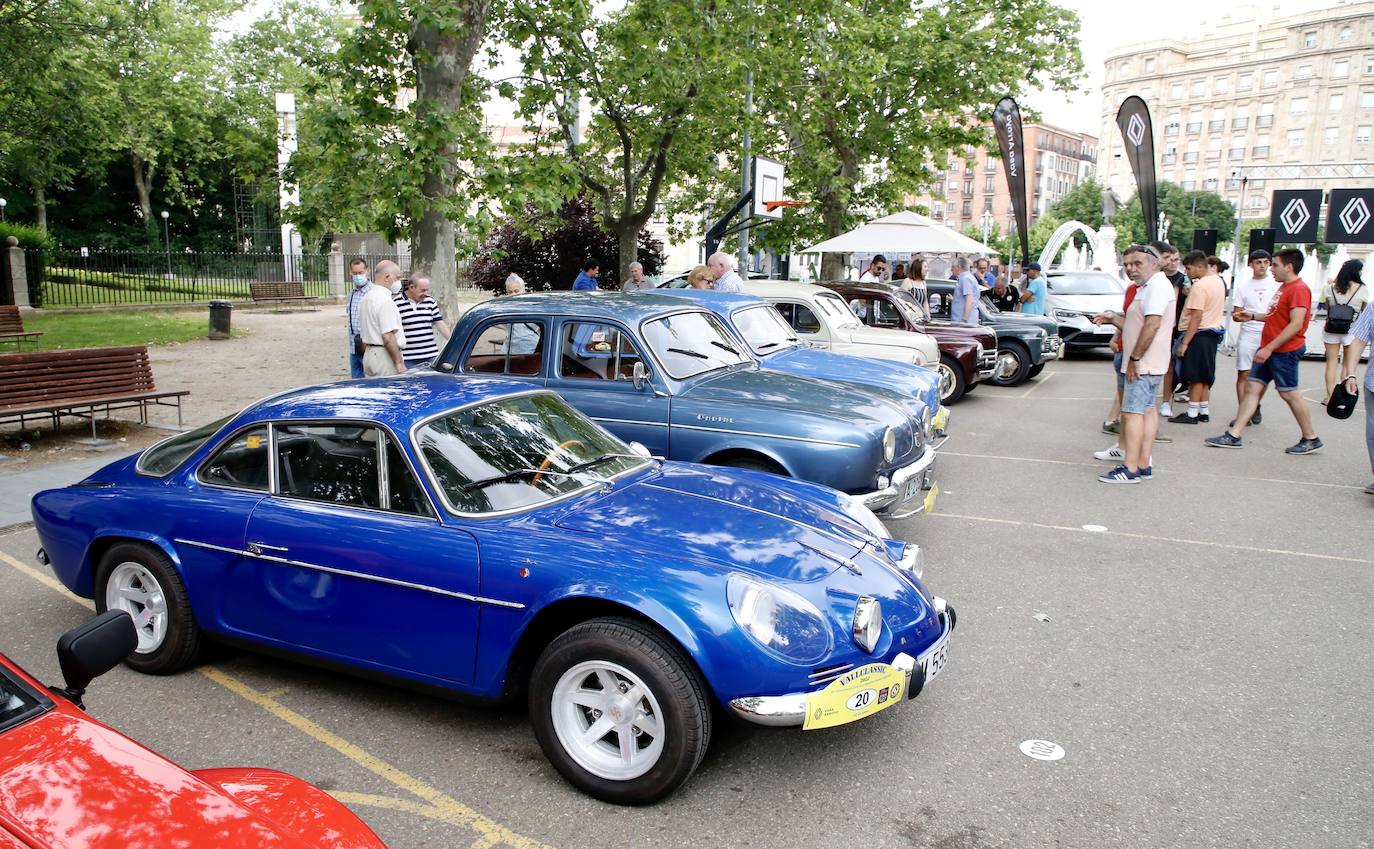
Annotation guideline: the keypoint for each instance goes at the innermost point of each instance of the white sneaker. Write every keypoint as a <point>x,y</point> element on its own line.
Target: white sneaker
<point>1167,410</point>
<point>1114,453</point>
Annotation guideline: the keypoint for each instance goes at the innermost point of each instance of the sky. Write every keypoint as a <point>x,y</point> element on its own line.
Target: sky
<point>1106,28</point>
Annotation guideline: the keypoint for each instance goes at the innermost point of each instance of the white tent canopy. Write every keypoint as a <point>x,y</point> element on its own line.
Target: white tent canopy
<point>902,232</point>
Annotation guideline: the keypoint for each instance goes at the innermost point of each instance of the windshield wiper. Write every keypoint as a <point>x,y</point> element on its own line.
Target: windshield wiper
<point>587,464</point>
<point>767,345</point>
<point>520,473</point>
<point>720,344</point>
<point>699,355</point>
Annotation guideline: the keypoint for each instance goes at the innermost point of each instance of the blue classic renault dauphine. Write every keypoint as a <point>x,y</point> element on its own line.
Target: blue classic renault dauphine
<point>483,537</point>
<point>669,374</point>
<point>777,347</point>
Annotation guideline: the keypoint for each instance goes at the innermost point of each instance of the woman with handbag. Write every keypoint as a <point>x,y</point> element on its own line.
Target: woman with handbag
<point>1345,299</point>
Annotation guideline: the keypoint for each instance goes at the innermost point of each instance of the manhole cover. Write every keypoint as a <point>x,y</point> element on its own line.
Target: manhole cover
<point>1042,750</point>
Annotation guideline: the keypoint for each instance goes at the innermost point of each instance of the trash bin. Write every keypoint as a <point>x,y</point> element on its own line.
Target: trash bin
<point>220,312</point>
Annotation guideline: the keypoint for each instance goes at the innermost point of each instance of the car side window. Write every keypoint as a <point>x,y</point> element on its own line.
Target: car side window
<point>241,463</point>
<point>333,463</point>
<point>802,319</point>
<point>939,305</point>
<point>512,347</point>
<point>596,352</point>
<point>403,492</point>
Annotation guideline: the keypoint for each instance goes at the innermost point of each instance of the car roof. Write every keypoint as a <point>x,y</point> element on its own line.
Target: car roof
<point>397,402</point>
<point>630,307</point>
<point>776,288</point>
<point>722,300</point>
<point>878,288</point>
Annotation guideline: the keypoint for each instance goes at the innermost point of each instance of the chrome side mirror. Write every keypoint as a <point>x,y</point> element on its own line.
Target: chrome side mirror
<point>639,375</point>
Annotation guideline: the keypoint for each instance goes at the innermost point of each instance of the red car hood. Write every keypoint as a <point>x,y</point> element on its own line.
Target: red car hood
<point>67,781</point>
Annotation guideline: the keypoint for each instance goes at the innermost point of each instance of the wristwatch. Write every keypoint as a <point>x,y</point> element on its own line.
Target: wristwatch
<point>1135,359</point>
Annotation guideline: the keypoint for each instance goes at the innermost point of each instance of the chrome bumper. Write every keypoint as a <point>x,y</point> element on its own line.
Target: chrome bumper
<point>908,484</point>
<point>1052,345</point>
<point>987,365</point>
<point>789,710</point>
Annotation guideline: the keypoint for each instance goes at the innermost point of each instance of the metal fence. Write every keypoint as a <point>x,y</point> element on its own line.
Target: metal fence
<point>63,278</point>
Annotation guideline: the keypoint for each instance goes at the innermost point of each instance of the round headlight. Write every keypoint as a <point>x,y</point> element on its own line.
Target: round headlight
<point>868,622</point>
<point>889,445</point>
<point>778,620</point>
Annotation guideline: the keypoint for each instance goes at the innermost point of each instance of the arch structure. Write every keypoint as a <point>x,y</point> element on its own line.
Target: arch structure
<point>1061,237</point>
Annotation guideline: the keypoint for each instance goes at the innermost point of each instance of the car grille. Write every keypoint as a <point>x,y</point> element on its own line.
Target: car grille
<point>987,360</point>
<point>825,674</point>
<point>1052,343</point>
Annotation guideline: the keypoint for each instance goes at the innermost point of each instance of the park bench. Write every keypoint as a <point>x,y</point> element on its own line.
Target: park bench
<point>35,384</point>
<point>281,290</point>
<point>12,328</point>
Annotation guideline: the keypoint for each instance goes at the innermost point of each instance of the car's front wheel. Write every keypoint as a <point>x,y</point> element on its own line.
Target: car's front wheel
<point>1013,365</point>
<point>1035,370</point>
<point>952,382</point>
<point>620,712</point>
<point>141,581</point>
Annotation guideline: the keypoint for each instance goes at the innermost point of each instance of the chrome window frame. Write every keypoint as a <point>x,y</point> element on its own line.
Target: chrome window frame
<point>710,316</point>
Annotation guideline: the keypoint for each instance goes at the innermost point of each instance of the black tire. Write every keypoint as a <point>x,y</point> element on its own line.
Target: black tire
<point>958,384</point>
<point>1035,370</point>
<point>753,464</point>
<point>665,672</point>
<point>1018,375</point>
<point>182,643</point>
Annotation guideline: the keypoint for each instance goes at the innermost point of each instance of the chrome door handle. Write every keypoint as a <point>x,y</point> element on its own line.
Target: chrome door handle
<point>260,547</point>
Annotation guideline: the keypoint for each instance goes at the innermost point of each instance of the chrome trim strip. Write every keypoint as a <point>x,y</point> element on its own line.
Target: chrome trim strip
<point>350,574</point>
<point>769,436</point>
<point>627,421</point>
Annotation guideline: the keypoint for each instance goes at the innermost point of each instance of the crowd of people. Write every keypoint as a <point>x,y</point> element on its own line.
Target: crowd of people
<point>393,323</point>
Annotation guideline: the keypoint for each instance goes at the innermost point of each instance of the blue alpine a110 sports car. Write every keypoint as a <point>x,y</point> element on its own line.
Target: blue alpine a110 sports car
<point>668,373</point>
<point>484,538</point>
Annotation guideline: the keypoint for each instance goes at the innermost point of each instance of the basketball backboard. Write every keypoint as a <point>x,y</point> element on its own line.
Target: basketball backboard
<point>768,186</point>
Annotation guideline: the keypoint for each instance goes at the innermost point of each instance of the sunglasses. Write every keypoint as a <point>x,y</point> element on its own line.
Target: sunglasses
<point>1143,249</point>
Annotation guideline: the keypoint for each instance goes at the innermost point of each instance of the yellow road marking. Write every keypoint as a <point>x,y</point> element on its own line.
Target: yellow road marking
<point>440,805</point>
<point>1044,378</point>
<point>1153,538</point>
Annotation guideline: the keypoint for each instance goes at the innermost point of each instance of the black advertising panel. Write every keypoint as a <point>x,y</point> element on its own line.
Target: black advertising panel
<point>1139,136</point>
<point>1205,241</point>
<point>1261,239</point>
<point>1294,215</point>
<point>1350,217</point>
<point>1006,120</point>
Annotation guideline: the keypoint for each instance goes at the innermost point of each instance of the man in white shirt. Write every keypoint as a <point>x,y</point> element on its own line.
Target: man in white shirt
<point>1253,299</point>
<point>722,265</point>
<point>637,282</point>
<point>379,324</point>
<point>877,267</point>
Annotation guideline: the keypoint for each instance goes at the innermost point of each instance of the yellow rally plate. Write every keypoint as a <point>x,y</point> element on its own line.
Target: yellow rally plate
<point>941,418</point>
<point>930,498</point>
<point>856,694</point>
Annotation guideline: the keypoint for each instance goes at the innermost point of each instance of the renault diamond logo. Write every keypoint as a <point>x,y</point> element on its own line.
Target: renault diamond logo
<point>1295,215</point>
<point>1135,130</point>
<point>1355,215</point>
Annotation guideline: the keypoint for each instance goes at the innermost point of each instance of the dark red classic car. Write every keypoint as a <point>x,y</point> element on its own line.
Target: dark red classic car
<point>968,355</point>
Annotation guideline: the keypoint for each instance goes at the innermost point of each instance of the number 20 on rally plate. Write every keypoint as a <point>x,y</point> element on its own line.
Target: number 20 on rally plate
<point>855,695</point>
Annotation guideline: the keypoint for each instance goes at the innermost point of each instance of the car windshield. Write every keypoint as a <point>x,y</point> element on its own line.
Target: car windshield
<point>834,307</point>
<point>912,309</point>
<point>690,343</point>
<point>17,702</point>
<point>764,328</point>
<point>518,452</point>
<point>989,308</point>
<point>165,456</point>
<point>1086,284</point>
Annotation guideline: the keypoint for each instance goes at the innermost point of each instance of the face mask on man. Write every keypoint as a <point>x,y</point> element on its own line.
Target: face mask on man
<point>396,287</point>
<point>360,280</point>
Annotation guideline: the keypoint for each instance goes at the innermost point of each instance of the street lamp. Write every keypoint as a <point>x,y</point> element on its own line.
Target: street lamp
<point>3,203</point>
<point>1163,227</point>
<point>986,221</point>
<point>167,240</point>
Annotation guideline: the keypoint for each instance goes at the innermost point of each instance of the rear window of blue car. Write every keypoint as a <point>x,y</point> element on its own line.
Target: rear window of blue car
<point>164,457</point>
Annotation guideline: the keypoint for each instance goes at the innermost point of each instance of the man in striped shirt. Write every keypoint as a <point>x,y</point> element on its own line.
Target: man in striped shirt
<point>420,318</point>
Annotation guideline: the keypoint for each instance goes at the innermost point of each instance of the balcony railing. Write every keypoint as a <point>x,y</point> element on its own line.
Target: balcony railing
<point>1236,153</point>
<point>1190,156</point>
<point>1260,151</point>
<point>1168,159</point>
<point>1194,127</point>
<point>1240,123</point>
<point>1216,126</point>
<point>1264,121</point>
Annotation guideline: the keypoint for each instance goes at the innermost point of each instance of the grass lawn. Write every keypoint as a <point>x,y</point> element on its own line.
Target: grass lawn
<point>97,329</point>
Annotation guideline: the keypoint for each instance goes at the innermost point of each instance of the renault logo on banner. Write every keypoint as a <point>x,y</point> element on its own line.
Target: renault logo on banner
<point>1351,217</point>
<point>1135,130</point>
<point>1294,216</point>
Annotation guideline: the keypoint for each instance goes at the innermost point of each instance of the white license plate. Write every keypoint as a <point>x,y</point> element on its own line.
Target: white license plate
<point>934,662</point>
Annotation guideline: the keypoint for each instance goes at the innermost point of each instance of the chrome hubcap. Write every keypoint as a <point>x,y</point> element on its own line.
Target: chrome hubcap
<point>946,381</point>
<point>134,590</point>
<point>607,720</point>
<point>1007,364</point>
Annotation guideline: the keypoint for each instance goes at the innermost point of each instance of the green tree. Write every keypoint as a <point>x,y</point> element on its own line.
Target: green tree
<point>866,100</point>
<point>1186,210</point>
<point>1082,203</point>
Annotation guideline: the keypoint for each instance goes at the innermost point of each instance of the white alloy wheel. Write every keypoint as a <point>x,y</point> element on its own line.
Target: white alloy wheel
<point>947,380</point>
<point>134,590</point>
<point>608,720</point>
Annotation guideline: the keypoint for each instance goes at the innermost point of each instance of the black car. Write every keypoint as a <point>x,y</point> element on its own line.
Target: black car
<point>1024,342</point>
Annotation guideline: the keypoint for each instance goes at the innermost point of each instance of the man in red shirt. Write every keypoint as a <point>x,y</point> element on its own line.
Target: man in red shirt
<point>1280,351</point>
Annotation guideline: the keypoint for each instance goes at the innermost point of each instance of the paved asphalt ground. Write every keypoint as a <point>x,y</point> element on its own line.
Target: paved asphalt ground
<point>1204,661</point>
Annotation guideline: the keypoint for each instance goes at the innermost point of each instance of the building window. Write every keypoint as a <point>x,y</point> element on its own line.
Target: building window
<point>1240,123</point>
<point>1190,156</point>
<point>1309,39</point>
<point>1304,72</point>
<point>968,187</point>
<point>1367,100</point>
<point>990,165</point>
<point>1345,34</point>
<point>1369,65</point>
<point>1149,64</point>
<point>1171,128</point>
<point>1245,82</point>
<point>1296,137</point>
<point>1221,85</point>
<point>968,208</point>
<point>1266,115</point>
<point>1261,151</point>
<point>1362,134</point>
<point>1176,91</point>
<point>1331,135</point>
<point>1125,68</point>
<point>1257,202</point>
<point>1340,70</point>
<point>1297,106</point>
<point>1335,102</point>
<point>988,184</point>
<point>1199,88</point>
<point>1271,78</point>
<point>937,209</point>
<point>1236,153</point>
<point>987,204</point>
<point>1194,124</point>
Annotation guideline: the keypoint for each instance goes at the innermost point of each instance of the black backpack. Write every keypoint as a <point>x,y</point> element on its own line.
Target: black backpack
<point>1340,317</point>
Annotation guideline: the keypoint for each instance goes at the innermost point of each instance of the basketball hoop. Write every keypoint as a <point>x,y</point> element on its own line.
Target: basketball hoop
<point>774,205</point>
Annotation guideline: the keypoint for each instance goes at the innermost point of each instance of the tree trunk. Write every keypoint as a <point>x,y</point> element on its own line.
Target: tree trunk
<point>143,185</point>
<point>832,213</point>
<point>40,208</point>
<point>442,59</point>
<point>627,234</point>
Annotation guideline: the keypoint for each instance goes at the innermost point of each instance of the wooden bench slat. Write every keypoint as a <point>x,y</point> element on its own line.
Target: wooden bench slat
<point>53,381</point>
<point>78,403</point>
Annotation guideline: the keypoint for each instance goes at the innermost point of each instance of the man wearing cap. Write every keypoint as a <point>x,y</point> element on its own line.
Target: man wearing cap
<point>1033,296</point>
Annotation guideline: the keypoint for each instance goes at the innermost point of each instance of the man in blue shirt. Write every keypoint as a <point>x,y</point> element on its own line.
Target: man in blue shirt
<point>963,309</point>
<point>1363,331</point>
<point>358,270</point>
<point>586,279</point>
<point>1033,296</point>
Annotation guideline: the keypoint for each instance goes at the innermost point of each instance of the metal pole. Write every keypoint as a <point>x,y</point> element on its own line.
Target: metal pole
<point>167,241</point>
<point>1235,265</point>
<point>746,181</point>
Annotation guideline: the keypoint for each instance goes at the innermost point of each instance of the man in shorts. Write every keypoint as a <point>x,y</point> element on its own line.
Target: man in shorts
<point>1280,351</point>
<point>1253,299</point>
<point>1203,329</point>
<point>1146,330</point>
